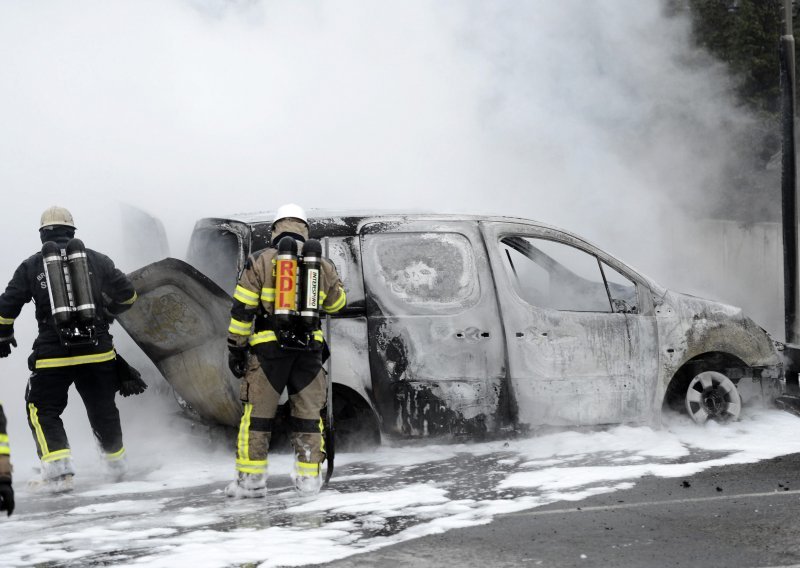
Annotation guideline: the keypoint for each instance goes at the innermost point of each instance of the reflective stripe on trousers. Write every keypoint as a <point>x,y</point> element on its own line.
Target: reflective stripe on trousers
<point>243,461</point>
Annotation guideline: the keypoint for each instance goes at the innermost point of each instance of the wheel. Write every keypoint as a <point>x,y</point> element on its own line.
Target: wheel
<point>713,396</point>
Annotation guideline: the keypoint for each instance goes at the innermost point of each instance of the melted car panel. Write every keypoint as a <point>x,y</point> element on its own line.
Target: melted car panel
<point>458,325</point>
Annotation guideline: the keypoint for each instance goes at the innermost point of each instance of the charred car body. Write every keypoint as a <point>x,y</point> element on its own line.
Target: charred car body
<point>463,326</point>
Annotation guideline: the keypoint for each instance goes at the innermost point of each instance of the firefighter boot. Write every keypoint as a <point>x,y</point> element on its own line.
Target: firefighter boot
<point>56,477</point>
<point>116,466</point>
<point>307,479</point>
<point>247,486</point>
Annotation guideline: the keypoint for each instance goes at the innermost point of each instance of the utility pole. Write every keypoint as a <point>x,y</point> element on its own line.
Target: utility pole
<point>789,197</point>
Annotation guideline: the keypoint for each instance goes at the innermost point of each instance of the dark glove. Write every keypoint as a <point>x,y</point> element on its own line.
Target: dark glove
<point>5,345</point>
<point>237,361</point>
<point>6,496</point>
<point>129,380</point>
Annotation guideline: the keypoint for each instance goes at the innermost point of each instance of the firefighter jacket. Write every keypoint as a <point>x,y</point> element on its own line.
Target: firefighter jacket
<point>254,298</point>
<point>5,450</point>
<point>113,293</point>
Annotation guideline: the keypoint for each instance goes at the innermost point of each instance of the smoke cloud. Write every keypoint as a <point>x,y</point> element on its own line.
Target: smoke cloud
<point>597,117</point>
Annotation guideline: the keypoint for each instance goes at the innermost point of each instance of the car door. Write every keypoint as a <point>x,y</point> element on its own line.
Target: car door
<point>436,345</point>
<point>180,322</point>
<point>580,349</point>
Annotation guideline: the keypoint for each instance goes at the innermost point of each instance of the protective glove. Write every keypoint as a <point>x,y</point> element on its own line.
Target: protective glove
<point>6,496</point>
<point>133,385</point>
<point>237,361</point>
<point>129,380</point>
<point>5,345</point>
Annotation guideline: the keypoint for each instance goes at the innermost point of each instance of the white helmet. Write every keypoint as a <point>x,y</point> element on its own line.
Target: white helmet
<point>290,210</point>
<point>55,215</point>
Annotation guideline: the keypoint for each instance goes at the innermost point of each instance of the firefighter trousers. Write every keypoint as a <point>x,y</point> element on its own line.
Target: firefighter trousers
<point>46,398</point>
<point>301,373</point>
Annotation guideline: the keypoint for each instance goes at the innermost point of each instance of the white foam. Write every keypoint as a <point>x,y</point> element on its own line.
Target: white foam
<point>410,492</point>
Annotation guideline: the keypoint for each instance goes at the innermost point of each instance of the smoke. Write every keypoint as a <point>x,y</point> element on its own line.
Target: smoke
<point>541,109</point>
<point>598,117</point>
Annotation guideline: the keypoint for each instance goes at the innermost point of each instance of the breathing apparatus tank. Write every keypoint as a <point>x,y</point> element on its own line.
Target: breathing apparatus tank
<point>56,276</point>
<point>310,282</point>
<point>78,265</point>
<point>70,290</point>
<point>285,308</point>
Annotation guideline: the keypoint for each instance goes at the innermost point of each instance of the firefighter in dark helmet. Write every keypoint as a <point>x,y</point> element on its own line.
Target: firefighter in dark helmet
<point>6,491</point>
<point>77,292</point>
<point>275,343</point>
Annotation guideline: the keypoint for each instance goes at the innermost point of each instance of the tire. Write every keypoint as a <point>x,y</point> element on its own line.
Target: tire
<point>712,396</point>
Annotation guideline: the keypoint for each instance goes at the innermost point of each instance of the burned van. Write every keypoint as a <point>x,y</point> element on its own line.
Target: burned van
<point>463,325</point>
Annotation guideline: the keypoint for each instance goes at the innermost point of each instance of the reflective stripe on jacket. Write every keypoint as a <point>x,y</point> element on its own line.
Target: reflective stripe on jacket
<point>255,294</point>
<point>112,291</point>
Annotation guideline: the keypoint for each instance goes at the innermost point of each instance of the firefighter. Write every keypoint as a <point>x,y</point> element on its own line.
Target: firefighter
<point>73,344</point>
<point>6,491</point>
<point>271,352</point>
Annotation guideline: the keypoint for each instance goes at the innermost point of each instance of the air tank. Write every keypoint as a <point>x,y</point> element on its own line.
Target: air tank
<point>309,284</point>
<point>286,282</point>
<point>56,278</point>
<point>78,264</point>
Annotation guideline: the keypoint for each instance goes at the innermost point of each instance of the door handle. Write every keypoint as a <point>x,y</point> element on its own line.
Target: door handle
<point>472,333</point>
<point>521,334</point>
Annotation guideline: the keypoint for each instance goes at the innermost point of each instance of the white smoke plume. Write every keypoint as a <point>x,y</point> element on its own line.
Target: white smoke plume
<point>598,117</point>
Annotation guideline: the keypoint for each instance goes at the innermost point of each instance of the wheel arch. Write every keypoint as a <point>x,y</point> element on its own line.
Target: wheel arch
<point>720,361</point>
<point>355,421</point>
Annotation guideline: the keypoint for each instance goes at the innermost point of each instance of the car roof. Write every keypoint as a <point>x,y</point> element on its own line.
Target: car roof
<point>335,223</point>
<point>349,222</point>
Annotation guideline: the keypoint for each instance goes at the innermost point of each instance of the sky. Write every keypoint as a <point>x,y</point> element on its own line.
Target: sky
<point>597,117</point>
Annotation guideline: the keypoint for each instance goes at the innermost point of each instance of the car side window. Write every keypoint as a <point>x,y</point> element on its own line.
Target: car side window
<point>622,290</point>
<point>421,273</point>
<point>554,275</point>
<point>345,254</point>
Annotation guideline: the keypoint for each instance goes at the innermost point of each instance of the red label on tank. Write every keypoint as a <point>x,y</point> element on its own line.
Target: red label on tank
<point>285,297</point>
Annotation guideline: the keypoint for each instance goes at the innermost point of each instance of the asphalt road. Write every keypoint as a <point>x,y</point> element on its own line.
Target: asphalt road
<point>735,516</point>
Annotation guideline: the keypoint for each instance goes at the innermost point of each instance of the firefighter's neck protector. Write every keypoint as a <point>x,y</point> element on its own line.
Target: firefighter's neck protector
<point>294,228</point>
<point>57,233</point>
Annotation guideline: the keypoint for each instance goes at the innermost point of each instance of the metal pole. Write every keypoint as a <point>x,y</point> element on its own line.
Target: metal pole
<point>331,433</point>
<point>789,197</point>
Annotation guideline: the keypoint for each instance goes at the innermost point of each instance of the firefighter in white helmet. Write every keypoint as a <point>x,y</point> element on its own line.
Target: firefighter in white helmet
<point>275,345</point>
<point>77,292</point>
